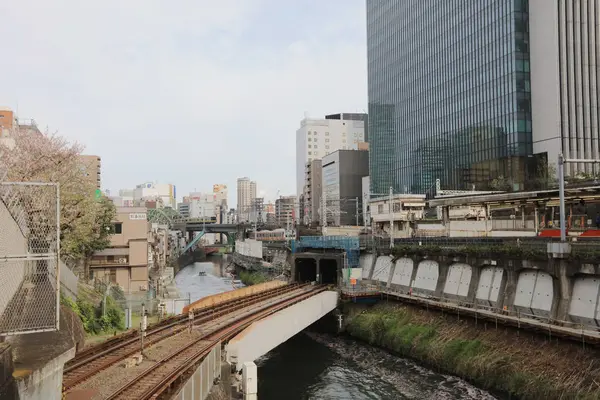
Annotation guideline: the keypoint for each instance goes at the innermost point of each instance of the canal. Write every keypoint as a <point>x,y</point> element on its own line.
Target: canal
<point>314,366</point>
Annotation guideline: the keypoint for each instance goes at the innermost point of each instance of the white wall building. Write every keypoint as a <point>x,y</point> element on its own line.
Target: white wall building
<point>318,137</point>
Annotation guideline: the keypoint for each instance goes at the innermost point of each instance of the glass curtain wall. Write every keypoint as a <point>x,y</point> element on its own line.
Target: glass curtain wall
<point>449,94</point>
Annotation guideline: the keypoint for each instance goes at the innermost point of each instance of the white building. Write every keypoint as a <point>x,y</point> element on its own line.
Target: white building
<point>318,137</point>
<point>163,193</point>
<point>246,193</point>
<point>204,206</point>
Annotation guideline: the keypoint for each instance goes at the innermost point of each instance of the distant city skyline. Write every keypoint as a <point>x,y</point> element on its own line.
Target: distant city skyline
<point>160,96</point>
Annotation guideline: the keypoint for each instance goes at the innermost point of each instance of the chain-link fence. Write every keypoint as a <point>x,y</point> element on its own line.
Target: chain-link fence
<point>29,257</point>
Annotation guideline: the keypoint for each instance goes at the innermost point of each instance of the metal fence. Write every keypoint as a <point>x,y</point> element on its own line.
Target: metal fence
<point>29,257</point>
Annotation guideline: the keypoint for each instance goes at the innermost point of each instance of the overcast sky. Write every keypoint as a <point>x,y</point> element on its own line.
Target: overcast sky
<point>186,92</point>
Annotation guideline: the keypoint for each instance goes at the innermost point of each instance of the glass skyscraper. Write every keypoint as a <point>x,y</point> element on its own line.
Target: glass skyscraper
<point>449,94</point>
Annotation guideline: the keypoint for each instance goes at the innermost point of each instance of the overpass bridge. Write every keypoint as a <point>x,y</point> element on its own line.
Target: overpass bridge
<point>196,228</point>
<point>181,355</point>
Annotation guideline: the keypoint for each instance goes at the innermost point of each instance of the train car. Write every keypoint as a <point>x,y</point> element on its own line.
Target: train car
<point>277,235</point>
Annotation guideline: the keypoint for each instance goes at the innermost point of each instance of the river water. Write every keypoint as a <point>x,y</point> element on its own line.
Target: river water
<point>314,366</point>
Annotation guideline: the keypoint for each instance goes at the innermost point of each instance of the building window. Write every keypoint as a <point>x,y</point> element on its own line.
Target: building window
<point>326,133</point>
<point>326,146</point>
<point>326,140</point>
<point>380,208</point>
<point>309,132</point>
<point>316,146</point>
<point>310,139</point>
<point>309,153</point>
<point>309,146</point>
<point>118,228</point>
<point>343,140</point>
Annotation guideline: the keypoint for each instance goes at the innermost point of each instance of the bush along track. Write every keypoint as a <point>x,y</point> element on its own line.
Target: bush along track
<point>520,364</point>
<point>92,317</point>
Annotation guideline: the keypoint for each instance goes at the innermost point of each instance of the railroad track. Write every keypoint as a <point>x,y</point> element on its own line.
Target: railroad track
<point>93,361</point>
<point>157,378</point>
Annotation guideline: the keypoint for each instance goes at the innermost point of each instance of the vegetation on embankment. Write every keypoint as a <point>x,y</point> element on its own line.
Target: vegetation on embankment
<point>96,318</point>
<point>252,278</point>
<point>521,364</point>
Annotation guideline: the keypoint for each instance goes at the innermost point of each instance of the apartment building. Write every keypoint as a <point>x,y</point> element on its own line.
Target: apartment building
<point>125,262</point>
<point>92,166</point>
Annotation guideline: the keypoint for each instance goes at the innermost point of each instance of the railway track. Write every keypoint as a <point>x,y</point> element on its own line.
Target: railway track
<point>156,379</point>
<point>94,360</point>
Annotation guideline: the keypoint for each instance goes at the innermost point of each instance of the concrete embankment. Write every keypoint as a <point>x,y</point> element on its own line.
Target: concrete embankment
<point>522,364</point>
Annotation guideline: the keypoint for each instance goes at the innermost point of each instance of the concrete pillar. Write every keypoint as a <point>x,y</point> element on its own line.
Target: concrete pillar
<point>442,274</point>
<point>250,381</point>
<point>391,274</point>
<point>563,294</point>
<point>446,219</point>
<point>510,288</point>
<point>474,284</point>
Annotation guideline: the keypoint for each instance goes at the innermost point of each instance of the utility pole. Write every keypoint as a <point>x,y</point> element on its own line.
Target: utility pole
<point>391,218</point>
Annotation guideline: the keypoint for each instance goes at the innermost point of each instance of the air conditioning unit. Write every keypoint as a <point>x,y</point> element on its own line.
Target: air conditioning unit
<point>143,288</point>
<point>122,260</point>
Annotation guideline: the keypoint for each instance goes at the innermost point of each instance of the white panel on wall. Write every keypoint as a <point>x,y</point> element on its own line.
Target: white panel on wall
<point>366,262</point>
<point>490,281</point>
<point>403,272</point>
<point>382,269</point>
<point>427,275</point>
<point>535,292</point>
<point>584,299</point>
<point>525,287</point>
<point>543,293</point>
<point>458,280</point>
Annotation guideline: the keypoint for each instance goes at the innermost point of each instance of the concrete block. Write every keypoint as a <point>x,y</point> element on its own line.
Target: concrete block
<point>129,362</point>
<point>559,249</point>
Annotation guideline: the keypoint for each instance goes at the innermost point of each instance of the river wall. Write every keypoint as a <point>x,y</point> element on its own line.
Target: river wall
<point>502,359</point>
<point>563,291</point>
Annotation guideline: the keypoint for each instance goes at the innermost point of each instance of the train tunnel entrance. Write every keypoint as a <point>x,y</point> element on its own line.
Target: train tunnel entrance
<point>306,270</point>
<point>329,271</point>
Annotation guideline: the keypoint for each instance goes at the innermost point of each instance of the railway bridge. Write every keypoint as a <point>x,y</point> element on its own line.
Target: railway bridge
<point>181,356</point>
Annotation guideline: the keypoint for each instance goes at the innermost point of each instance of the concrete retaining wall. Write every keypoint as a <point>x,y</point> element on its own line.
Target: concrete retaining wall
<point>250,248</point>
<point>198,385</point>
<point>233,294</point>
<point>555,289</point>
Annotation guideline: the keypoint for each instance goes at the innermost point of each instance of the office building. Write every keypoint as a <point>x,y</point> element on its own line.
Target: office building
<point>318,137</point>
<point>343,173</point>
<point>285,211</point>
<point>125,261</point>
<point>311,198</point>
<point>246,193</point>
<point>469,92</point>
<point>184,209</point>
<point>91,166</point>
<point>565,79</point>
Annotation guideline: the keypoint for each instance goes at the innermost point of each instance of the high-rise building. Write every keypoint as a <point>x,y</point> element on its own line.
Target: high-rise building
<point>318,137</point>
<point>467,92</point>
<point>92,166</point>
<point>246,193</point>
